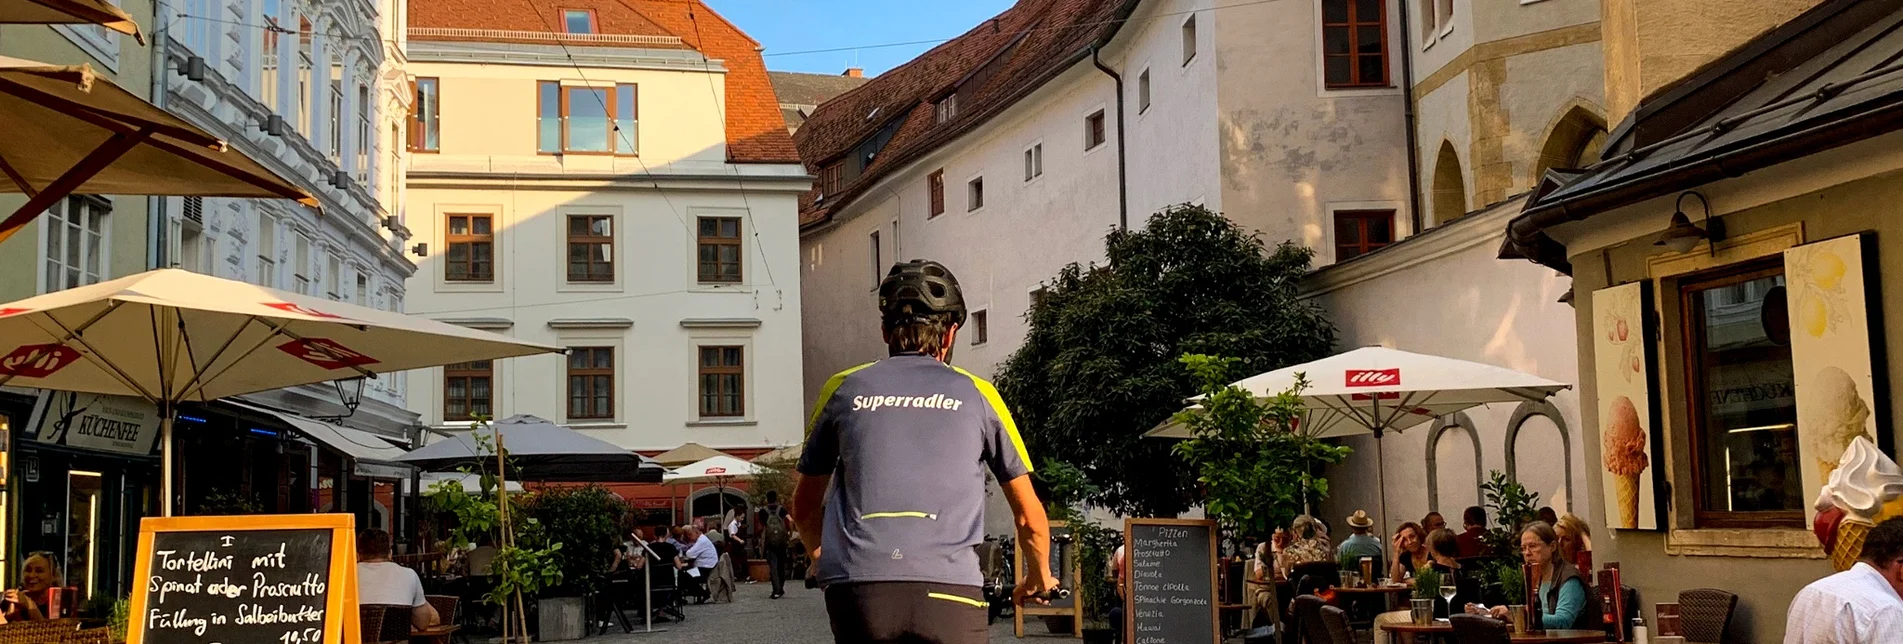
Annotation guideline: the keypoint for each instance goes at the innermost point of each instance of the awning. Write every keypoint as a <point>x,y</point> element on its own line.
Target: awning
<point>364,447</point>
<point>69,12</point>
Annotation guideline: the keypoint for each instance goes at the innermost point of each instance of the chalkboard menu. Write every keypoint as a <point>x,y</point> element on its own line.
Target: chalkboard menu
<point>1172,582</point>
<point>278,579</point>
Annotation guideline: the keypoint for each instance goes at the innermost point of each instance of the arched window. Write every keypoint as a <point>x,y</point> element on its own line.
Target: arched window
<point>1576,142</point>
<point>1537,437</point>
<point>1450,186</point>
<point>1453,465</point>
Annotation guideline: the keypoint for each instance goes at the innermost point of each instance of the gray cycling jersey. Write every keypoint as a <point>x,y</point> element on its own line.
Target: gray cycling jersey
<point>907,440</point>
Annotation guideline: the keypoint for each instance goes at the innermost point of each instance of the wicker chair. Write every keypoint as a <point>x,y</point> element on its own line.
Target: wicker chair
<point>1475,629</point>
<point>1704,614</point>
<point>384,622</point>
<point>1335,624</point>
<point>448,612</point>
<point>101,635</point>
<point>37,632</point>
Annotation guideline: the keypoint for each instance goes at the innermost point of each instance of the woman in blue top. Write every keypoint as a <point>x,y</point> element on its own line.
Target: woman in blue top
<point>1562,591</point>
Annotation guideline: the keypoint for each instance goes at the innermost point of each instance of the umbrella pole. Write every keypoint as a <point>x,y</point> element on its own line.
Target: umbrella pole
<point>165,459</point>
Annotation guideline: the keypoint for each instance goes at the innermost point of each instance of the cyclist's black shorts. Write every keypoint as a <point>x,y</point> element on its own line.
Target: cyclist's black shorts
<point>907,612</point>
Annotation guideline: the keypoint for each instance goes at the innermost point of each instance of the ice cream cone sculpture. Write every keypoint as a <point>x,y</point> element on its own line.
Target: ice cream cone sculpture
<point>1625,458</point>
<point>1865,486</point>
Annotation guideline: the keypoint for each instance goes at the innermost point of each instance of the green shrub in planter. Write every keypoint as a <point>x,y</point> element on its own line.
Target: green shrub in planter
<point>586,523</point>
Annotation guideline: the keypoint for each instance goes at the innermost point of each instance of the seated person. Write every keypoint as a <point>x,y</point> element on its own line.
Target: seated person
<point>1559,584</point>
<point>1443,551</point>
<point>381,581</point>
<point>31,601</point>
<point>700,558</point>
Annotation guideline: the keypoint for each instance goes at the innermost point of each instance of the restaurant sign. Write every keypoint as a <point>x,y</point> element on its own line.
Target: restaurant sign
<point>94,421</point>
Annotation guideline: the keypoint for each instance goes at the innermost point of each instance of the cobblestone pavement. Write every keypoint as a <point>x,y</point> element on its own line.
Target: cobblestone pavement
<point>797,618</point>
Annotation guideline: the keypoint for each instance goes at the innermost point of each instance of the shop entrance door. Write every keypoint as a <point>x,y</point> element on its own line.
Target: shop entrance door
<point>85,501</point>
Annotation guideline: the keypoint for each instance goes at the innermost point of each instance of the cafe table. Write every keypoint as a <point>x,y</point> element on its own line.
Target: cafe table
<point>1387,594</point>
<point>1409,631</point>
<point>438,634</point>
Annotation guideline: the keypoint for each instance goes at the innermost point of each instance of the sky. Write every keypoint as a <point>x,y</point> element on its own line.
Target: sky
<point>787,26</point>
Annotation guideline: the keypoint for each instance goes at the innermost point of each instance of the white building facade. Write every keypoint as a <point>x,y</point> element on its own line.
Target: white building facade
<point>631,195</point>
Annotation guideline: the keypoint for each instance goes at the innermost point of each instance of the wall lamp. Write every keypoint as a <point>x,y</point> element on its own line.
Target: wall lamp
<point>1681,234</point>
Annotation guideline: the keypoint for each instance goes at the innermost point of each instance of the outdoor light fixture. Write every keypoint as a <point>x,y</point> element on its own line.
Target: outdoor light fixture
<point>350,394</point>
<point>1681,235</point>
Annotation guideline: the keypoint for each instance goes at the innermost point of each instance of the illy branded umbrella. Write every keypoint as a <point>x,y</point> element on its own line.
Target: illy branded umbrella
<point>71,131</point>
<point>719,471</point>
<point>539,450</point>
<point>172,336</point>
<point>1377,390</point>
<point>70,12</point>
<point>686,454</point>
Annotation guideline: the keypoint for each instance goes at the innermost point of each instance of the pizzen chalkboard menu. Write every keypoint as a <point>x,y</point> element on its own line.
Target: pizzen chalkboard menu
<point>275,579</point>
<point>1172,582</point>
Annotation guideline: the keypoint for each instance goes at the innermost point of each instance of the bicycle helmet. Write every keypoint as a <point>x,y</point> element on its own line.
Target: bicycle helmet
<point>917,289</point>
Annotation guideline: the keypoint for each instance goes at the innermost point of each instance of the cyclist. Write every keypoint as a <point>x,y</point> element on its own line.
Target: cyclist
<point>893,479</point>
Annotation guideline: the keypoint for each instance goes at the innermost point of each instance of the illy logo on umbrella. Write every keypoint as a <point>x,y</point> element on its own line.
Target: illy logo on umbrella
<point>1373,377</point>
<point>716,470</point>
<point>37,360</point>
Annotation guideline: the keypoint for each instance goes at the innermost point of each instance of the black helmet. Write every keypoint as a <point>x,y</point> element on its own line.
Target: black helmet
<point>919,288</point>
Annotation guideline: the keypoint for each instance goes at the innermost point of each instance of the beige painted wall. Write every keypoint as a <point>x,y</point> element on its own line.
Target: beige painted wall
<point>1652,43</point>
<point>20,256</point>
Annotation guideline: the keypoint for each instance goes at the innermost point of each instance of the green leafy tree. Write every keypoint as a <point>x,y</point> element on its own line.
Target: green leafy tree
<point>1512,506</point>
<point>1255,470</point>
<point>586,522</point>
<point>1099,367</point>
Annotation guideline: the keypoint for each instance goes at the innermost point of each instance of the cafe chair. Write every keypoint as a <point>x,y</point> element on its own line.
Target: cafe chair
<point>1704,614</point>
<point>1477,629</point>
<point>383,623</point>
<point>449,612</point>
<point>1335,624</point>
<point>40,632</point>
<point>1305,621</point>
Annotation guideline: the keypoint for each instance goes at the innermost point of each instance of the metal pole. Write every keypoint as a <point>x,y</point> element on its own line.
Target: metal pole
<point>165,458</point>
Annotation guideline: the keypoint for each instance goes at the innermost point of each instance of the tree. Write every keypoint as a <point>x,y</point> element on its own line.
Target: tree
<point>1255,470</point>
<point>1099,364</point>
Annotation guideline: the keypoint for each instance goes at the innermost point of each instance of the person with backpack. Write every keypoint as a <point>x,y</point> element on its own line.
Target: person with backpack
<point>775,537</point>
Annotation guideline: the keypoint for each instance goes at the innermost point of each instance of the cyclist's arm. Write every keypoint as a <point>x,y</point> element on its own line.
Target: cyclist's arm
<point>1034,529</point>
<point>809,510</point>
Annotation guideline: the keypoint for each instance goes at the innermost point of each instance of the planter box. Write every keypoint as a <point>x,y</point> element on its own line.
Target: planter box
<point>560,618</point>
<point>758,571</point>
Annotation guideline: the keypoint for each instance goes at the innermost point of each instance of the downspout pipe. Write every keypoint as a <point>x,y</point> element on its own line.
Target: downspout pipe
<point>155,221</point>
<point>1409,119</point>
<point>1123,180</point>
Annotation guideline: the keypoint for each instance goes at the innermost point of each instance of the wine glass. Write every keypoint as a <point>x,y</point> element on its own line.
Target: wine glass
<point>1447,592</point>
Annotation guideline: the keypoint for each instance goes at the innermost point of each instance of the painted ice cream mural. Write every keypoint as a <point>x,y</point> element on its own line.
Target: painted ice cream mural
<point>1830,354</point>
<point>1625,459</point>
<point>1832,415</point>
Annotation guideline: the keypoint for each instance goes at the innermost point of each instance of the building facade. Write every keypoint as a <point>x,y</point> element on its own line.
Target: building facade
<point>612,177</point>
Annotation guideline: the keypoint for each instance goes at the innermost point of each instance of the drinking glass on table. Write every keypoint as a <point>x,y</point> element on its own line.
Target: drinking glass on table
<point>1447,592</point>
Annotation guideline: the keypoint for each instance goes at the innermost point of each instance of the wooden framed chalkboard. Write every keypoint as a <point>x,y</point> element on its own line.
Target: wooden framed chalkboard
<point>260,579</point>
<point>1063,563</point>
<point>1172,582</point>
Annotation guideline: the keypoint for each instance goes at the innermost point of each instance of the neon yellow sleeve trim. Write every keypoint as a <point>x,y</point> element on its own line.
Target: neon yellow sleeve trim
<point>990,393</point>
<point>955,598</point>
<point>826,395</point>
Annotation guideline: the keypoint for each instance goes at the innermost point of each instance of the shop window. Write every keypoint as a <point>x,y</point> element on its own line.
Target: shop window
<point>471,240</point>
<point>467,390</point>
<point>591,248</point>
<point>1359,232</point>
<point>591,382</point>
<point>719,250</point>
<point>1354,43</point>
<point>722,382</point>
<point>1743,411</point>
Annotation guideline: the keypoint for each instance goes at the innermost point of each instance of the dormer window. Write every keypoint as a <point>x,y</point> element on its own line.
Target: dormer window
<point>946,108</point>
<point>578,21</point>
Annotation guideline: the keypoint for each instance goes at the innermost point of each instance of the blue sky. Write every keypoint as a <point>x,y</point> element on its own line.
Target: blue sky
<point>803,25</point>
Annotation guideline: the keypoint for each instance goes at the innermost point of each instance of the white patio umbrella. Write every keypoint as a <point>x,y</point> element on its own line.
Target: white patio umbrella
<point>718,470</point>
<point>1377,390</point>
<point>172,336</point>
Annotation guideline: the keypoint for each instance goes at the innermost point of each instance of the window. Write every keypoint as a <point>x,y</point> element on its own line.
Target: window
<point>1143,91</point>
<point>1428,23</point>
<point>591,382</point>
<point>364,110</point>
<point>1743,410</point>
<point>975,194</point>
<point>722,382</point>
<point>720,250</point>
<point>301,265</point>
<point>935,192</point>
<point>946,108</point>
<point>878,266</point>
<point>575,120</point>
<point>333,278</point>
<point>1189,39</point>
<point>1444,9</point>
<point>591,248</point>
<point>1354,43</point>
<point>75,231</point>
<point>1034,161</point>
<point>268,66</point>
<point>578,21</point>
<point>980,327</point>
<point>471,240</point>
<point>267,250</point>
<point>425,126</point>
<point>336,116</point>
<point>362,294</point>
<point>304,75</point>
<point>832,179</point>
<point>1093,130</point>
<point>1358,232</point>
<point>466,388</point>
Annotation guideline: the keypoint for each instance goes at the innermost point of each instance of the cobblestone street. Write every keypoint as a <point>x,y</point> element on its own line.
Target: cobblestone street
<point>798,618</point>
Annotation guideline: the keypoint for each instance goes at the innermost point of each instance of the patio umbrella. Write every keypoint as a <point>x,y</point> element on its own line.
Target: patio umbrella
<point>1377,390</point>
<point>686,454</point>
<point>542,451</point>
<point>69,12</point>
<point>172,336</point>
<point>790,452</point>
<point>718,470</point>
<point>471,482</point>
<point>71,131</point>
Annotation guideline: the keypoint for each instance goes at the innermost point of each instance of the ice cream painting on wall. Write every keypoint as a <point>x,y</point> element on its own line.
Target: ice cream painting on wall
<point>1622,362</point>
<point>1831,354</point>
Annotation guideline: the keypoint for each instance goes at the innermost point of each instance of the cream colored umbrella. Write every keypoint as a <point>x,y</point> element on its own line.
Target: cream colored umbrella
<point>71,131</point>
<point>791,452</point>
<point>687,453</point>
<point>717,470</point>
<point>172,336</point>
<point>69,12</point>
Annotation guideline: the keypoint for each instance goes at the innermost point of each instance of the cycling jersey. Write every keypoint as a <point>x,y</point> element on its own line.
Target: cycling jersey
<point>907,441</point>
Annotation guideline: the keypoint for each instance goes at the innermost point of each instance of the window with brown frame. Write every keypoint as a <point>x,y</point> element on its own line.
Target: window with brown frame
<point>591,248</point>
<point>1094,134</point>
<point>1742,406</point>
<point>935,192</point>
<point>1358,232</point>
<point>591,382</point>
<point>424,125</point>
<point>722,381</point>
<point>577,119</point>
<point>472,245</point>
<point>467,388</point>
<point>719,250</point>
<point>1355,43</point>
<point>832,179</point>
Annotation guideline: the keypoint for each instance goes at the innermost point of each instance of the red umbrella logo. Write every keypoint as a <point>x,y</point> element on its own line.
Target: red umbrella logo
<point>716,470</point>
<point>1373,377</point>
<point>300,309</point>
<point>325,353</point>
<point>37,360</point>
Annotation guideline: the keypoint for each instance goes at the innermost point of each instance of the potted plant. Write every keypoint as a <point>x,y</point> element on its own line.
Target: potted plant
<point>117,621</point>
<point>1427,583</point>
<point>583,525</point>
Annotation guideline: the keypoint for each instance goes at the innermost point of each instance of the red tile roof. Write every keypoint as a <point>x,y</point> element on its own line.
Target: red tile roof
<point>1031,43</point>
<point>755,131</point>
